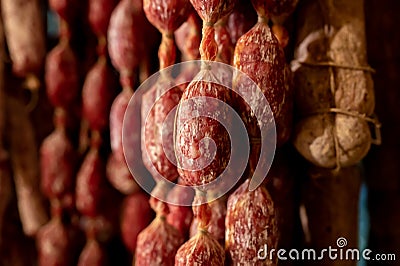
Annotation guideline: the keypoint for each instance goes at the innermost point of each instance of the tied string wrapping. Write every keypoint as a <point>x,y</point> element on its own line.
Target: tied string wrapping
<point>127,80</point>
<point>208,45</point>
<point>167,51</point>
<point>202,212</point>
<point>333,110</point>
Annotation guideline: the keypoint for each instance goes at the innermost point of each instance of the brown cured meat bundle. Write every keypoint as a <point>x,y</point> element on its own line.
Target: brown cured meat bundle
<point>117,169</point>
<point>250,224</point>
<point>25,168</point>
<point>62,82</point>
<point>136,215</point>
<point>157,243</point>
<point>210,12</point>
<point>147,113</point>
<point>25,34</point>
<point>167,17</point>
<point>98,89</point>
<point>99,226</point>
<point>259,55</point>
<point>97,92</point>
<point>334,90</point>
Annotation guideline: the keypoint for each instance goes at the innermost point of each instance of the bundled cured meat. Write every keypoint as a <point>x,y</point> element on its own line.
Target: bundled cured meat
<point>334,89</point>
<point>136,215</point>
<point>25,165</point>
<point>25,33</point>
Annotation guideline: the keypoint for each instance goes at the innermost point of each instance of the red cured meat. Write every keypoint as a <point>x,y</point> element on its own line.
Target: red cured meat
<point>61,76</point>
<point>99,13</point>
<point>158,244</point>
<point>202,249</point>
<point>166,16</point>
<point>136,215</point>
<point>250,224</point>
<point>259,55</point>
<point>197,164</point>
<point>158,131</point>
<point>93,254</point>
<point>180,216</point>
<point>126,51</point>
<point>56,244</point>
<point>120,177</point>
<point>188,37</point>
<point>117,113</point>
<point>216,226</point>
<point>57,161</point>
<point>274,7</point>
<point>241,20</point>
<point>90,185</point>
<point>97,93</point>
